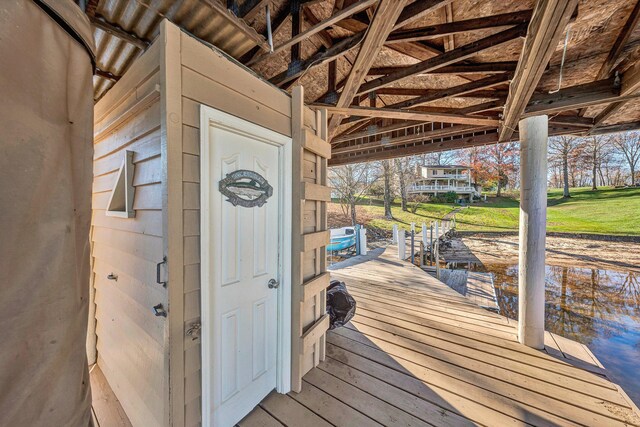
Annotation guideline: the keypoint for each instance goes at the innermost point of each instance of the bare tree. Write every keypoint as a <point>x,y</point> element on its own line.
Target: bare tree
<point>594,151</point>
<point>351,182</point>
<point>628,144</point>
<point>387,171</point>
<point>561,149</point>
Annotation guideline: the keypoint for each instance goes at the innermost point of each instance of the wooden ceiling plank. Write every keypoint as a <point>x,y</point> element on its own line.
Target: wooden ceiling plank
<point>441,30</point>
<point>618,46</point>
<point>386,15</point>
<point>458,54</point>
<point>344,13</point>
<point>548,23</point>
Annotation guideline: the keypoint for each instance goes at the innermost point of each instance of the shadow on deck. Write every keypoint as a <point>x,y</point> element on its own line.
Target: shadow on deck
<point>418,353</point>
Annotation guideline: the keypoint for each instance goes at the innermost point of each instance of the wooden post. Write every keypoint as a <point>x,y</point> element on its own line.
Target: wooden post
<point>424,233</point>
<point>533,218</point>
<point>394,238</point>
<point>402,250</point>
<point>437,235</point>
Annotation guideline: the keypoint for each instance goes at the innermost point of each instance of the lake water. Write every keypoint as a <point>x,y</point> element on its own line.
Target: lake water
<point>599,308</point>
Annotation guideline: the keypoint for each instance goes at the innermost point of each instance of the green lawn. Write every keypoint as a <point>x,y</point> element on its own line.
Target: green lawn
<point>605,211</point>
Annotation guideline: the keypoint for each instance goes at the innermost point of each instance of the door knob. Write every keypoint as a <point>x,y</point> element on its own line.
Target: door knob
<point>273,284</point>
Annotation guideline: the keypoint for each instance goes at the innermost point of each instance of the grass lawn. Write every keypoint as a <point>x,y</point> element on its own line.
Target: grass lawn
<point>605,211</point>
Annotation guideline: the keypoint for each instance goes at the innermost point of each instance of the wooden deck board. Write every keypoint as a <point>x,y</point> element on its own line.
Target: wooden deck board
<point>419,353</point>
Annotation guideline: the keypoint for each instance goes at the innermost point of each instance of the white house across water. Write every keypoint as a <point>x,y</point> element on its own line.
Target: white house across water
<point>440,179</point>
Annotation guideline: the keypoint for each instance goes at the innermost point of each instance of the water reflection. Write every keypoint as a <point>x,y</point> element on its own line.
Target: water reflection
<point>599,308</point>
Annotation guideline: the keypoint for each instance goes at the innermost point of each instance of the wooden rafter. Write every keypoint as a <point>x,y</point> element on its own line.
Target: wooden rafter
<point>356,7</point>
<point>408,91</point>
<point>618,46</point>
<point>458,54</point>
<point>440,30</point>
<point>468,139</point>
<point>548,23</point>
<point>409,137</point>
<point>385,16</point>
<point>609,63</point>
<point>462,89</point>
<point>476,68</point>
<point>387,113</point>
<point>417,10</point>
<point>251,8</point>
<point>629,88</point>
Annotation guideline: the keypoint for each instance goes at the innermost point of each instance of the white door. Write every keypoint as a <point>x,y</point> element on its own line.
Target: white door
<point>240,330</point>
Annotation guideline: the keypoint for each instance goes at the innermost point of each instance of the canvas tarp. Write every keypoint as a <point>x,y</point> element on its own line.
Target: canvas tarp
<point>46,126</point>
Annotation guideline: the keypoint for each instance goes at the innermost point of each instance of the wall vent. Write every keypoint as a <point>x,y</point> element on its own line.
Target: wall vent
<point>121,200</point>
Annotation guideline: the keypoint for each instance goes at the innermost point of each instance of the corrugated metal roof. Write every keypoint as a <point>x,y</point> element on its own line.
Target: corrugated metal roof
<point>142,18</point>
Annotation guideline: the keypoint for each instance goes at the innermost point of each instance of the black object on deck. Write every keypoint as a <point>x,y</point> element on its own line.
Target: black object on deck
<point>341,306</point>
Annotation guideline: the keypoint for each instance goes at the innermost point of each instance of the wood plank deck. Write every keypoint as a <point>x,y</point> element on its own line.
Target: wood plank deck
<point>418,353</point>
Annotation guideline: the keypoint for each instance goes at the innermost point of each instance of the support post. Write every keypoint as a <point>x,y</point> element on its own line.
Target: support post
<point>533,218</point>
<point>424,233</point>
<point>363,241</point>
<point>402,242</point>
<point>413,238</point>
<point>394,237</point>
<point>437,234</point>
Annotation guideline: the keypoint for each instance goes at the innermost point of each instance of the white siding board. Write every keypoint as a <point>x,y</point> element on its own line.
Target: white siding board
<point>145,222</point>
<point>136,409</point>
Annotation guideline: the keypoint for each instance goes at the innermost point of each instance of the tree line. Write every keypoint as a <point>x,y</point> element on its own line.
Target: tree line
<point>606,160</point>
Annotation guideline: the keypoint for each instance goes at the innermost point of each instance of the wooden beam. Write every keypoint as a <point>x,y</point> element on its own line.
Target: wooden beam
<point>251,8</point>
<point>548,23</point>
<point>118,32</point>
<point>573,97</point>
<point>458,54</point>
<point>385,16</point>
<point>408,91</point>
<point>355,8</point>
<point>630,86</point>
<point>337,50</point>
<point>618,46</point>
<point>417,10</point>
<point>375,130</point>
<point>403,139</point>
<point>440,30</point>
<point>485,83</point>
<point>408,115</point>
<point>463,141</point>
<point>621,127</point>
<point>475,68</point>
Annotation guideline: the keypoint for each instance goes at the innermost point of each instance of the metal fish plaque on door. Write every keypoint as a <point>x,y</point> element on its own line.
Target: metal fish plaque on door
<point>245,188</point>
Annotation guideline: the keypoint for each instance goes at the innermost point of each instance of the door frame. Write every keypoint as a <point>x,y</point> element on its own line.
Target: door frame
<point>219,119</point>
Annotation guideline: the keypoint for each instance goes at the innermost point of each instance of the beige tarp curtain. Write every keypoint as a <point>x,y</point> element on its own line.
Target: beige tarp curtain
<point>46,124</point>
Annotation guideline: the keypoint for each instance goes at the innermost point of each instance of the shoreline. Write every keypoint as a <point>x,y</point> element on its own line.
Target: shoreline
<point>566,250</point>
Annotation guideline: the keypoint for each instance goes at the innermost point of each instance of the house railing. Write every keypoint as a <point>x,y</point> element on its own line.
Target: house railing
<point>449,176</point>
<point>458,189</point>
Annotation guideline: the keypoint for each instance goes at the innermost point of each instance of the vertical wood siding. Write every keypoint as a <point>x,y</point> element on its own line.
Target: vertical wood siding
<point>130,338</point>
